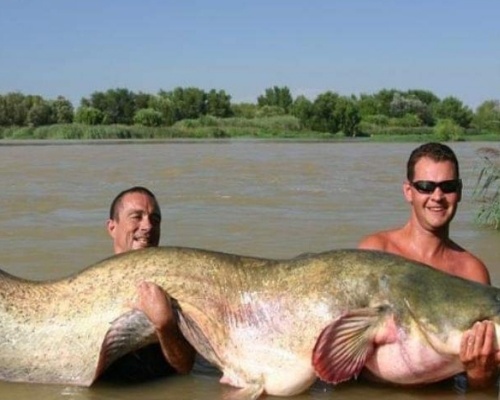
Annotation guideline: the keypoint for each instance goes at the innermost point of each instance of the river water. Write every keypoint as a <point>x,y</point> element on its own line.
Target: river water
<point>269,199</point>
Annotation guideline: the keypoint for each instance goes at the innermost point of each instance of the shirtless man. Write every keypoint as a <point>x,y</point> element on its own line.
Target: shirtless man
<point>433,189</point>
<point>134,223</point>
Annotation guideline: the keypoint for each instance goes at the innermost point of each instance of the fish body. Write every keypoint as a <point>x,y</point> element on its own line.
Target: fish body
<point>269,325</point>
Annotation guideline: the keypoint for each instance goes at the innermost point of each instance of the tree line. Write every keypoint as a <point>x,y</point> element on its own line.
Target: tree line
<point>328,112</point>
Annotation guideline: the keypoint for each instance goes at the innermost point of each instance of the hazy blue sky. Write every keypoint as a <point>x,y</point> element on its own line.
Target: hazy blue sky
<point>73,48</point>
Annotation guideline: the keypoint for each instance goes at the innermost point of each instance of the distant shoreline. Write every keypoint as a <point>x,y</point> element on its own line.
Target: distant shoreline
<point>104,142</point>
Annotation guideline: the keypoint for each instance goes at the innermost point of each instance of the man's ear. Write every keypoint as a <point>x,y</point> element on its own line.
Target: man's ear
<point>110,226</point>
<point>408,194</point>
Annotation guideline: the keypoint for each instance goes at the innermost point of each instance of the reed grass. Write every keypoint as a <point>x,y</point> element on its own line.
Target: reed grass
<point>487,188</point>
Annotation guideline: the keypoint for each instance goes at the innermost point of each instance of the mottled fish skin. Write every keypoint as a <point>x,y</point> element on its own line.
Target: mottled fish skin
<point>271,326</point>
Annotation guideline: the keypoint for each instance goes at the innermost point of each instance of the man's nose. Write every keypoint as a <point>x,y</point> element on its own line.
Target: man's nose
<point>437,194</point>
<point>146,223</point>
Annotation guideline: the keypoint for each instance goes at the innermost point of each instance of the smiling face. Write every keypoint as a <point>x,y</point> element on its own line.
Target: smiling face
<point>136,224</point>
<point>433,211</point>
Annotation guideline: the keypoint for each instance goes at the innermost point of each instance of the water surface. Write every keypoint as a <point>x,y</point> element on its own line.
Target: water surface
<point>270,199</point>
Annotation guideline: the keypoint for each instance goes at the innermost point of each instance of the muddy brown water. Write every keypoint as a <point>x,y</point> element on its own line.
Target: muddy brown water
<point>270,199</point>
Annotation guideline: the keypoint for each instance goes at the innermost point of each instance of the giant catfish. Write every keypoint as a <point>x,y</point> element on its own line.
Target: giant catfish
<point>271,326</point>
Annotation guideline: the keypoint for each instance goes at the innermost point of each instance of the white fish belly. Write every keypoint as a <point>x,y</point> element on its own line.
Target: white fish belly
<point>411,361</point>
<point>272,361</point>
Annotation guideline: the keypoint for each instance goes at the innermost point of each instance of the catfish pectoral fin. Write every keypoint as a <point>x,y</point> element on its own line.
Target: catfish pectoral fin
<point>129,332</point>
<point>344,346</point>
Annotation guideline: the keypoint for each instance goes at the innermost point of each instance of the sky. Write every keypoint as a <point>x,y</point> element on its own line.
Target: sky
<point>351,47</point>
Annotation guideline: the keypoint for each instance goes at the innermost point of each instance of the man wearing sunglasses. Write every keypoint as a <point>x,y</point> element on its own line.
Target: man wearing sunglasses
<point>433,189</point>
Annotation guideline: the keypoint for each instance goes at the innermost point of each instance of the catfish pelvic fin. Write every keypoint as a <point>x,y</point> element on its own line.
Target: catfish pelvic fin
<point>344,346</point>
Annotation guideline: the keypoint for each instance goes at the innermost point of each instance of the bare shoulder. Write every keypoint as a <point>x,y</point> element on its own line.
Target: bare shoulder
<point>477,270</point>
<point>377,241</point>
<point>468,266</point>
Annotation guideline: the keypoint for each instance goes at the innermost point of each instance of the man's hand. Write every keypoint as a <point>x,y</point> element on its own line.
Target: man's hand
<point>479,354</point>
<point>157,306</point>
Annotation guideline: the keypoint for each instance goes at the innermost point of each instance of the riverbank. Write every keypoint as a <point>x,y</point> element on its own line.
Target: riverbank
<point>269,128</point>
<point>298,139</point>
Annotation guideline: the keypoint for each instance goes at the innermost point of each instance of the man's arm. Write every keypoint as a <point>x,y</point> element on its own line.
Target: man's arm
<point>155,303</point>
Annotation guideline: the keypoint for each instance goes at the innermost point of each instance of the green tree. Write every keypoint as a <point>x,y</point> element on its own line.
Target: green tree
<point>324,117</point>
<point>40,114</point>
<point>384,99</point>
<point>303,109</point>
<point>402,105</point>
<point>63,110</point>
<point>84,102</point>
<point>219,104</point>
<point>15,108</point>
<point>164,104</point>
<point>117,105</point>
<point>368,105</point>
<point>143,100</point>
<point>487,116</point>
<point>276,97</point>
<point>348,116</point>
<point>4,119</point>
<point>452,108</point>
<point>188,103</point>
<point>425,96</point>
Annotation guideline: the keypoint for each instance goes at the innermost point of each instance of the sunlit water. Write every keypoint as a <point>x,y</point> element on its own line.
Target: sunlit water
<point>270,199</point>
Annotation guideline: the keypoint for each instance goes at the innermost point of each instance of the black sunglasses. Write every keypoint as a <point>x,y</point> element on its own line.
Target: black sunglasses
<point>428,187</point>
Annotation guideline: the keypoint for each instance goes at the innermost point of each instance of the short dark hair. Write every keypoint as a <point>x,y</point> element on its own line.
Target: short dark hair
<point>113,210</point>
<point>435,151</point>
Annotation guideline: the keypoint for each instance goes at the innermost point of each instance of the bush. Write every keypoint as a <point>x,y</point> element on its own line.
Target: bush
<point>447,129</point>
<point>89,116</point>
<point>374,130</point>
<point>209,120</point>
<point>269,111</point>
<point>244,110</point>
<point>148,117</point>
<point>378,119</point>
<point>23,133</point>
<point>406,121</point>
